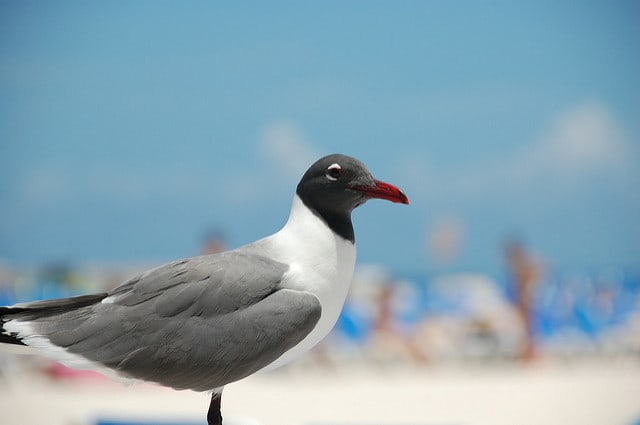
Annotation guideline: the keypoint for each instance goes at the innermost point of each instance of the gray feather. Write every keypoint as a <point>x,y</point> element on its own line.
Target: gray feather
<point>194,324</point>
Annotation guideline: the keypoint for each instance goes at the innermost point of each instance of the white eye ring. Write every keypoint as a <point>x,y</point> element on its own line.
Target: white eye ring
<point>334,172</point>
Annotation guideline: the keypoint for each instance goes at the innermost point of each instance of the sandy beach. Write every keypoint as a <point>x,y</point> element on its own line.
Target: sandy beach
<point>582,393</point>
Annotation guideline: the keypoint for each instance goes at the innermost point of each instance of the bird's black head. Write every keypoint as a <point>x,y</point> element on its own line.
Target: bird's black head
<point>336,184</point>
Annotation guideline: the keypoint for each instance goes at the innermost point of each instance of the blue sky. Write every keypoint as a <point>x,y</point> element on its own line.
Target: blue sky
<point>127,129</point>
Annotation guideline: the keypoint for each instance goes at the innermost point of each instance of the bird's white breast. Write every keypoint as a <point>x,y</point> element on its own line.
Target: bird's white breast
<point>320,262</point>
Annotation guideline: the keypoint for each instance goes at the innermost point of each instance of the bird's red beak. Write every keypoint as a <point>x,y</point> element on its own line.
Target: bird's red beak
<point>383,190</point>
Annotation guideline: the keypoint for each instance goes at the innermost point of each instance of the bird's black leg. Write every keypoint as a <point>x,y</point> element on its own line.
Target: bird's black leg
<point>214,417</point>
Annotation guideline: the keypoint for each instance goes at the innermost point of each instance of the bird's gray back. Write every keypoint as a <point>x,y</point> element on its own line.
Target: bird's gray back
<point>194,324</point>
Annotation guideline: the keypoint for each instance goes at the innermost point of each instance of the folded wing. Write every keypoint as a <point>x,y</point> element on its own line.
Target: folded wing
<point>198,324</point>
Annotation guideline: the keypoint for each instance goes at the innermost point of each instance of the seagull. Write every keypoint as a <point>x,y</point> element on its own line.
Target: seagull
<point>203,322</point>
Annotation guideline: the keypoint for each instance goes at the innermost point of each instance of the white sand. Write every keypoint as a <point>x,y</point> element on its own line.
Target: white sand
<point>595,393</point>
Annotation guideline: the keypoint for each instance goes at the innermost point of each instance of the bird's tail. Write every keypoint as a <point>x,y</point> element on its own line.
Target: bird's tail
<point>5,336</point>
<point>39,310</point>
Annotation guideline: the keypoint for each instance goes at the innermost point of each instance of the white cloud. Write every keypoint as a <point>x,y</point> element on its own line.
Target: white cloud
<point>286,147</point>
<point>580,145</point>
<point>287,151</point>
<point>286,154</point>
<point>582,140</point>
<point>45,184</point>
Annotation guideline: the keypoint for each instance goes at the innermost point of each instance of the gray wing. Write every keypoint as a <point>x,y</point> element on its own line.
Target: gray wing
<point>193,324</point>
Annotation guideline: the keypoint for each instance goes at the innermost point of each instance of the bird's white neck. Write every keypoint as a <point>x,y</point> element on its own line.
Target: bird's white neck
<point>307,243</point>
<point>320,262</point>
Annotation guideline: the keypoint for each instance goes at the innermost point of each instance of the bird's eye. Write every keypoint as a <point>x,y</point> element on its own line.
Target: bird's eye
<point>334,172</point>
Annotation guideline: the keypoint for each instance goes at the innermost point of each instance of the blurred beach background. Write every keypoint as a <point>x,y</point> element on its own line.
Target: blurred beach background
<point>507,292</point>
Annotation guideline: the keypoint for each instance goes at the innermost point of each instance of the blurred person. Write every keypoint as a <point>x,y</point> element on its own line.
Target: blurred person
<point>388,340</point>
<point>7,284</point>
<point>525,273</point>
<point>468,318</point>
<point>213,243</point>
<point>445,239</point>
